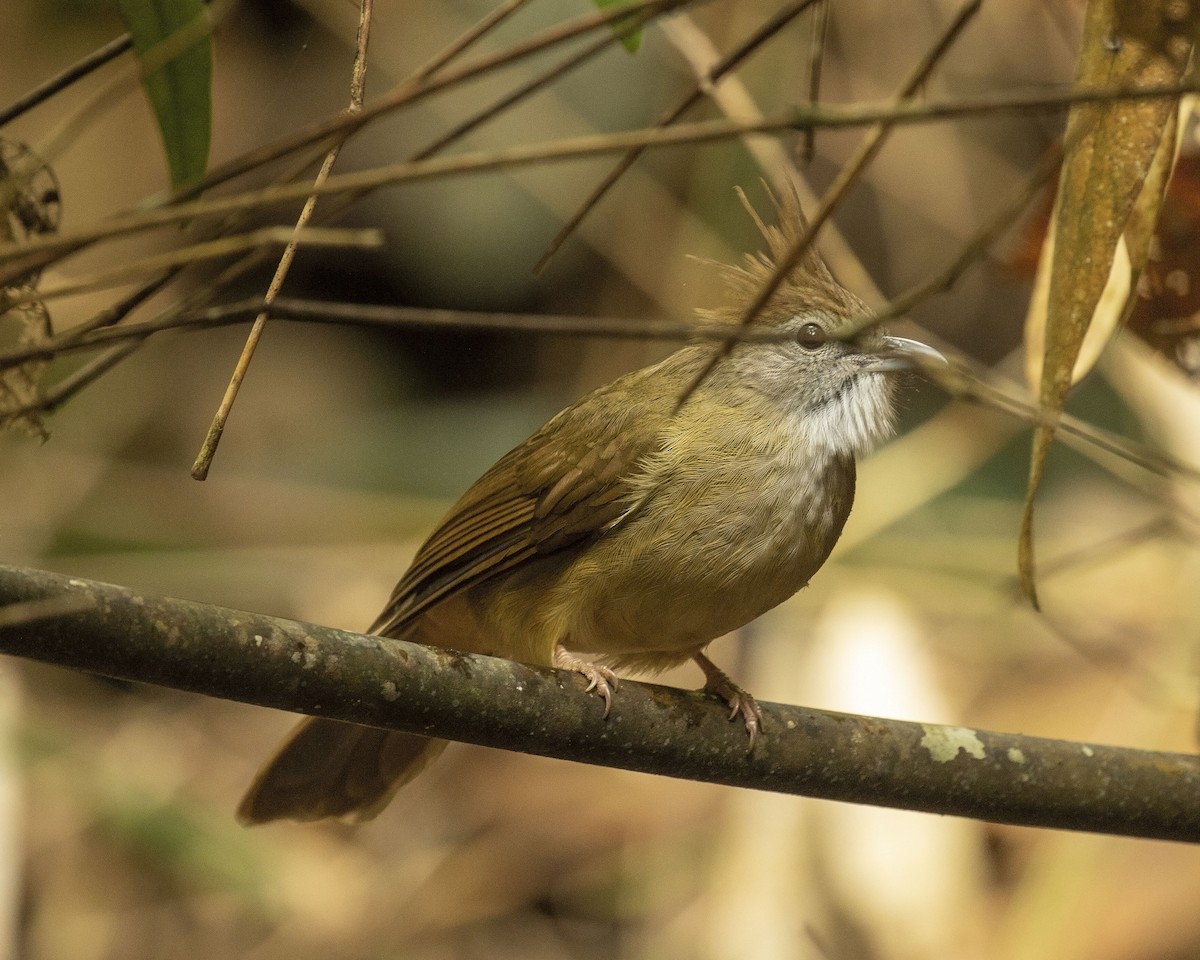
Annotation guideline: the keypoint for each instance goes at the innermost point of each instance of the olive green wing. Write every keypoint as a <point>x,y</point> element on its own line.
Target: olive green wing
<point>568,482</point>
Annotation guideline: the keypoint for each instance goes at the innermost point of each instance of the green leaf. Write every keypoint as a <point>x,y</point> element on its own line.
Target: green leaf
<point>630,41</point>
<point>172,39</point>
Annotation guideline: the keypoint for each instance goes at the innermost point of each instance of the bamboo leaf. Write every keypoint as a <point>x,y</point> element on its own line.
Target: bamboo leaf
<point>631,41</point>
<point>178,82</point>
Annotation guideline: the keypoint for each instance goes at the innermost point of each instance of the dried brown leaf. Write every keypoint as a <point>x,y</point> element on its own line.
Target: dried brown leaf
<point>25,324</point>
<point>1120,161</point>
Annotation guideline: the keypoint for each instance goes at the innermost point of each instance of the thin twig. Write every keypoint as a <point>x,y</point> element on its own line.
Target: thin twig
<point>20,258</point>
<point>381,316</point>
<point>816,60</point>
<point>199,28</point>
<point>263,237</point>
<point>703,86</point>
<point>867,150</point>
<point>44,91</point>
<point>358,87</point>
<point>410,92</point>
<point>969,253</point>
<point>966,379</point>
<point>79,379</point>
<point>735,100</point>
<point>467,39</point>
<point>575,60</point>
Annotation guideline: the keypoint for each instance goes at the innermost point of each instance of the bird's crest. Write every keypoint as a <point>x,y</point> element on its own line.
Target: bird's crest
<point>808,285</point>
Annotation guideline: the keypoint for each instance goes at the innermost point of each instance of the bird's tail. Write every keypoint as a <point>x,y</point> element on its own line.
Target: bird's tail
<point>327,768</point>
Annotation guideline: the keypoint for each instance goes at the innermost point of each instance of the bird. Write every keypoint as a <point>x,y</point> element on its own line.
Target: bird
<point>632,530</point>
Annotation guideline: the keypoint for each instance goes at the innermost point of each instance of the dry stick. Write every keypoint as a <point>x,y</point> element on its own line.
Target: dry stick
<point>846,178</point>
<point>1004,778</point>
<point>358,84</point>
<point>406,93</point>
<point>520,93</point>
<point>532,86</point>
<point>816,60</point>
<point>70,385</point>
<point>22,257</point>
<point>971,251</point>
<point>458,46</point>
<point>77,337</point>
<point>106,362</point>
<point>970,381</point>
<point>410,91</point>
<point>96,368</point>
<point>462,43</point>
<point>467,39</point>
<point>225,246</point>
<point>734,99</point>
<point>170,319</point>
<point>199,28</point>
<point>382,316</point>
<point>702,87</point>
<point>44,91</point>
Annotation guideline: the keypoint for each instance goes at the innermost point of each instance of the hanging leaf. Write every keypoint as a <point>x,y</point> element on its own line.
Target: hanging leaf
<point>1113,149</point>
<point>172,41</point>
<point>1129,262</point>
<point>632,40</point>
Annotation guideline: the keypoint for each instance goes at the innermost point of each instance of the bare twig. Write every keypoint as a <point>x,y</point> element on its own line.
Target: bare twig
<point>703,86</point>
<point>974,249</point>
<point>253,658</point>
<point>967,380</point>
<point>263,237</point>
<point>412,91</point>
<point>23,257</point>
<point>816,61</point>
<point>867,150</point>
<point>44,91</point>
<point>358,87</point>
<point>468,38</point>
<point>547,77</point>
<point>372,315</point>
<point>79,379</point>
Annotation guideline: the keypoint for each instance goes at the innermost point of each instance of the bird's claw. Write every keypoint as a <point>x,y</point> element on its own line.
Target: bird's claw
<point>740,702</point>
<point>601,679</point>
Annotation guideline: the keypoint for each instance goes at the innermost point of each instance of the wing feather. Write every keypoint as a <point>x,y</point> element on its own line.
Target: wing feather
<point>567,483</point>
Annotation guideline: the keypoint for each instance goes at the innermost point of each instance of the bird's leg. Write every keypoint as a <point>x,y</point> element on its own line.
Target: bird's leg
<point>600,679</point>
<point>740,702</point>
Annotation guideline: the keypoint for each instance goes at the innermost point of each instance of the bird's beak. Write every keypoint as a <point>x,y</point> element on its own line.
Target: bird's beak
<point>900,353</point>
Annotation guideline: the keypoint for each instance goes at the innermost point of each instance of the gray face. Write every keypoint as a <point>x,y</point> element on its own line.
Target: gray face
<point>837,393</point>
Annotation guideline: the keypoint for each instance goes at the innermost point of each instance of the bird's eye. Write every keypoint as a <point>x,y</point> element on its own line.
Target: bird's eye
<point>811,336</point>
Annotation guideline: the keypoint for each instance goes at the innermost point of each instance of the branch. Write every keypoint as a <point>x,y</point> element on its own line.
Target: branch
<point>17,259</point>
<point>271,662</point>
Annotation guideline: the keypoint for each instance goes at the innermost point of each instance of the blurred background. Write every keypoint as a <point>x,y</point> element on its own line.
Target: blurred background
<point>117,836</point>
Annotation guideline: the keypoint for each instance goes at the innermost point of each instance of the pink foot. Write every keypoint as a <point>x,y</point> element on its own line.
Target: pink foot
<point>739,701</point>
<point>600,679</point>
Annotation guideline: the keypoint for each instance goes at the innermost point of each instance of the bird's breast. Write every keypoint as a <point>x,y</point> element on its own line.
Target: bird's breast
<point>724,526</point>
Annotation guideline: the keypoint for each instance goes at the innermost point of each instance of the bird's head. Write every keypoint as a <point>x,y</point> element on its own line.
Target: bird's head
<point>838,389</point>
